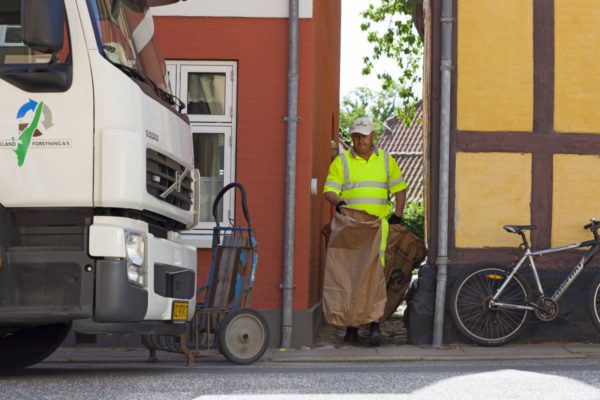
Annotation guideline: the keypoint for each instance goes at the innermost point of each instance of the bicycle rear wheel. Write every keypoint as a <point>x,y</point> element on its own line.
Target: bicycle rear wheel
<point>594,302</point>
<point>473,317</point>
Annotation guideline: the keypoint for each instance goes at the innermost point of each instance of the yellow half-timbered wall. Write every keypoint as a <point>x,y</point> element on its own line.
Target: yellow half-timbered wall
<point>493,188</point>
<point>495,65</point>
<point>577,66</point>
<point>496,94</point>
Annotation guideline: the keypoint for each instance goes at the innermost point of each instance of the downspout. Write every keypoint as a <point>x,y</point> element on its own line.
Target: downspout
<point>290,182</point>
<point>442,253</point>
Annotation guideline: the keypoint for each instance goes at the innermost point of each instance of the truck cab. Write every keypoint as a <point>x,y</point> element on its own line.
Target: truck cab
<point>96,175</point>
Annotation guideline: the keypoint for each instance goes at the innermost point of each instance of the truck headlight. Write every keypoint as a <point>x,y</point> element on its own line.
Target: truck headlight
<point>135,246</point>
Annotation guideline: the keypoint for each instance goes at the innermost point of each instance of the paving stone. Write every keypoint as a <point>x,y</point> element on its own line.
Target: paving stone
<point>392,329</point>
<point>587,348</point>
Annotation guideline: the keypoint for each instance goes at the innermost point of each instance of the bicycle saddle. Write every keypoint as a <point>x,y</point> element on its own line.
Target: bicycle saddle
<point>518,228</point>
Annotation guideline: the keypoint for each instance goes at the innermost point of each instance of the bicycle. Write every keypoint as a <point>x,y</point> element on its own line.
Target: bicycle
<point>490,303</point>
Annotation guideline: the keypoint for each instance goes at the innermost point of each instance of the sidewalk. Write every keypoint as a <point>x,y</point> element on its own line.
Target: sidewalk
<point>331,353</point>
<point>427,353</point>
<point>330,347</point>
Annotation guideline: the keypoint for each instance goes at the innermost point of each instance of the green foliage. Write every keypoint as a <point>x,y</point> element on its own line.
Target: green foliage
<point>389,27</point>
<point>363,102</point>
<point>413,218</point>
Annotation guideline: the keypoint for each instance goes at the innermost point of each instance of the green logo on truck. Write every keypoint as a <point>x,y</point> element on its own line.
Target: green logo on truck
<point>28,131</point>
<point>34,120</point>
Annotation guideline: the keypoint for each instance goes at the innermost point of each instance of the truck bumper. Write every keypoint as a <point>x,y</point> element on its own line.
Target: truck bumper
<point>46,275</point>
<point>170,270</point>
<point>118,300</point>
<point>80,272</point>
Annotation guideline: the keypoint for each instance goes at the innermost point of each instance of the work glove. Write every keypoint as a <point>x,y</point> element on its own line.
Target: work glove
<point>394,219</point>
<point>338,206</point>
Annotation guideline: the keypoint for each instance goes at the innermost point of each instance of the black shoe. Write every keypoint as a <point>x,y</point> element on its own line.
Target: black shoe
<point>375,336</point>
<point>351,335</point>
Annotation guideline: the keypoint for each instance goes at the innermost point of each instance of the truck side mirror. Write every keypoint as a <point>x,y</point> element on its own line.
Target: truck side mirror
<point>42,24</point>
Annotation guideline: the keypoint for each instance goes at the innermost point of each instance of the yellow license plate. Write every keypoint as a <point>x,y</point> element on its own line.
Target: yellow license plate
<point>180,311</point>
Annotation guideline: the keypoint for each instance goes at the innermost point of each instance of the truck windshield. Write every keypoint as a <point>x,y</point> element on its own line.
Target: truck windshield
<point>125,34</point>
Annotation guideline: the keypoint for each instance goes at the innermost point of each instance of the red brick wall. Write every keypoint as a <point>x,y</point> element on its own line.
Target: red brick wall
<point>326,82</point>
<point>260,46</point>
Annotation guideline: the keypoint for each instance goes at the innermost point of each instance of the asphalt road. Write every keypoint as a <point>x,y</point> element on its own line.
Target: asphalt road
<point>542,379</point>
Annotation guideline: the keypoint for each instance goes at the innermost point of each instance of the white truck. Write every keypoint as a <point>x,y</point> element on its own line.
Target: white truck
<point>97,178</point>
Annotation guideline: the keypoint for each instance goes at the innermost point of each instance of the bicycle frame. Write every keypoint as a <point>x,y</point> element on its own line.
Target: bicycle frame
<point>562,288</point>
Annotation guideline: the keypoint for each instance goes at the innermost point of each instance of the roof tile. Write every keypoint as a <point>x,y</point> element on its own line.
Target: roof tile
<point>405,144</point>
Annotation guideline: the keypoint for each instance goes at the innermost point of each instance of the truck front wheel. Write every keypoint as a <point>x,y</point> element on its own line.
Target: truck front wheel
<point>27,346</point>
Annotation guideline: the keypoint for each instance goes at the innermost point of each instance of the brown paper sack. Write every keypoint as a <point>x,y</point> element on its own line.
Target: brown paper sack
<point>354,283</point>
<point>404,252</point>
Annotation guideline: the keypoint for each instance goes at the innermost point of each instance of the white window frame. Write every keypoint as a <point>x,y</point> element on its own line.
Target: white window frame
<point>173,79</point>
<point>201,235</point>
<point>210,68</point>
<point>229,167</point>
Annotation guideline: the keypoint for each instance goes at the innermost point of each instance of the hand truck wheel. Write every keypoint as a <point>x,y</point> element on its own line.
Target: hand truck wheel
<point>244,336</point>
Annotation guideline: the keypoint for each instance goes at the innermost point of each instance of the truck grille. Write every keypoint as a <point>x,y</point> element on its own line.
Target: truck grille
<point>161,174</point>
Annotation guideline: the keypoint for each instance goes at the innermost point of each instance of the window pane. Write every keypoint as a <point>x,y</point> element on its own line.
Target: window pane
<point>209,157</point>
<point>206,93</point>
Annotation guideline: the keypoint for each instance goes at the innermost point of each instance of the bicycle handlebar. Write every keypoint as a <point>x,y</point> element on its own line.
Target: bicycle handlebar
<point>594,224</point>
<point>593,227</point>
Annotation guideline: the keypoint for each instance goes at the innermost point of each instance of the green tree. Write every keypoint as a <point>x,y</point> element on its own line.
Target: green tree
<point>395,29</point>
<point>379,106</point>
<point>414,219</point>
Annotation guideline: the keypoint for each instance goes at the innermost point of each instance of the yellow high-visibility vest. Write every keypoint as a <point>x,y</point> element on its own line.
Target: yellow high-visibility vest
<point>366,184</point>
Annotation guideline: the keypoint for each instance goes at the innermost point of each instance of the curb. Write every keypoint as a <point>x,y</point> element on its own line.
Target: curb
<point>350,354</point>
<point>416,353</point>
<point>343,359</point>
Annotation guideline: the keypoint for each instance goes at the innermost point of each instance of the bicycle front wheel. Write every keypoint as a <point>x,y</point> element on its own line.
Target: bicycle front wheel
<point>484,325</point>
<point>594,302</point>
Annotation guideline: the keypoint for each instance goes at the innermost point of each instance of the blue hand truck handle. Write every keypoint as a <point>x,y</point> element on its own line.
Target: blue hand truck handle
<point>222,193</point>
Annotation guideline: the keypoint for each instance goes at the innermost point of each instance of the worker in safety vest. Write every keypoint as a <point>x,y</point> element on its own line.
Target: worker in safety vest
<point>364,178</point>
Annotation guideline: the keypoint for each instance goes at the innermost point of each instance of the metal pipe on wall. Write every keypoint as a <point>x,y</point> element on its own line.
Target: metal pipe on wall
<point>447,21</point>
<point>290,183</point>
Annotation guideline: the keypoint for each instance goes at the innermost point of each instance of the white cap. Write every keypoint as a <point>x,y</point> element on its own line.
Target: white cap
<point>363,126</point>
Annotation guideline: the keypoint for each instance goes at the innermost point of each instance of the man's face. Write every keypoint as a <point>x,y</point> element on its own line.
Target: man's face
<point>362,144</point>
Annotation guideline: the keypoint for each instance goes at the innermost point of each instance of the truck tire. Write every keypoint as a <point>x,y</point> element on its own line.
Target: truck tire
<point>28,346</point>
